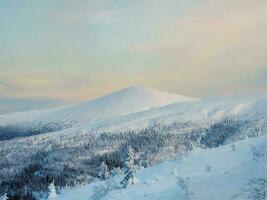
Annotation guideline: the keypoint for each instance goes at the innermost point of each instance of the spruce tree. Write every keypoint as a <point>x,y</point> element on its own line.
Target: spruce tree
<point>103,171</point>
<point>5,197</point>
<point>128,167</point>
<point>52,191</point>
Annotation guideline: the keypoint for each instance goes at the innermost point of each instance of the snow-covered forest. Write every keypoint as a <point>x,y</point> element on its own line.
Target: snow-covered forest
<point>45,152</point>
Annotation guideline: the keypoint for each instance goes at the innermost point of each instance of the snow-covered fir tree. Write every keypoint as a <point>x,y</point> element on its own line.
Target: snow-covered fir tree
<point>103,171</point>
<point>183,187</point>
<point>257,189</point>
<point>128,167</point>
<point>5,197</point>
<point>52,191</point>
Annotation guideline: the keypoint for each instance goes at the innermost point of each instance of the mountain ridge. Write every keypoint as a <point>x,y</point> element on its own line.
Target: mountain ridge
<point>125,101</point>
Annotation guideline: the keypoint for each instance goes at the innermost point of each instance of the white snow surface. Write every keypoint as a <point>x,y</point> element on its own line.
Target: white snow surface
<point>227,178</point>
<point>207,111</point>
<point>138,107</point>
<point>129,100</point>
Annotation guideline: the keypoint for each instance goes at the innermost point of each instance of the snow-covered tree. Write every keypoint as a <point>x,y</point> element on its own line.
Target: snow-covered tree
<point>257,152</point>
<point>233,147</point>
<point>5,197</point>
<point>100,191</point>
<point>175,173</point>
<point>257,189</point>
<point>52,191</point>
<point>128,167</point>
<point>183,186</point>
<point>103,171</point>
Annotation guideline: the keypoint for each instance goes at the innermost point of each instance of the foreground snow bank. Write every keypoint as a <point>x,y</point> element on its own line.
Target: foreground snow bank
<point>211,174</point>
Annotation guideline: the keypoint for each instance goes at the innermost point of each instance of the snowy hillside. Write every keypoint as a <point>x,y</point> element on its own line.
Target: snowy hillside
<point>68,146</point>
<point>250,110</point>
<point>134,108</point>
<point>125,101</point>
<point>212,174</point>
<point>130,100</point>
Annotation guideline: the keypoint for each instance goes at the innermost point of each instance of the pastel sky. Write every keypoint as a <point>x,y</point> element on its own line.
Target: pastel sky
<point>73,50</point>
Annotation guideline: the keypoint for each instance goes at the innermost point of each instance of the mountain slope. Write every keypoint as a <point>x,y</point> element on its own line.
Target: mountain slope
<point>125,101</point>
<point>156,135</point>
<point>204,112</point>
<point>211,174</point>
<point>130,100</point>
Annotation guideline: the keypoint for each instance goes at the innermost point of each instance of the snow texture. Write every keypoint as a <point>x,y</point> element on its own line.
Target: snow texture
<point>229,174</point>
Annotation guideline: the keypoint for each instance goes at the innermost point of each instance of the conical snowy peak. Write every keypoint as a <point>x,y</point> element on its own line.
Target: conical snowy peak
<point>157,97</point>
<point>128,100</point>
<point>143,97</point>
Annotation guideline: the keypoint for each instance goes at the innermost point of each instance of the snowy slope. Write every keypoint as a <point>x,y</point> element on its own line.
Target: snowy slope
<point>211,174</point>
<point>205,112</point>
<point>130,100</point>
<point>137,108</point>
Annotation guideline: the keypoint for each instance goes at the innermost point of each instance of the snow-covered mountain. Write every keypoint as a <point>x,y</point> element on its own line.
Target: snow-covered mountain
<point>136,108</point>
<point>203,112</point>
<point>126,101</point>
<point>69,144</point>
